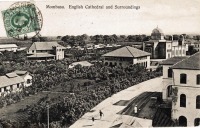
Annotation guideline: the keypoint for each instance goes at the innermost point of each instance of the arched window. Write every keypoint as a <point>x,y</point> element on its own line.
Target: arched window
<point>197,122</point>
<point>198,79</point>
<point>182,121</point>
<point>198,102</point>
<point>170,73</point>
<point>182,100</point>
<point>106,63</point>
<point>183,78</point>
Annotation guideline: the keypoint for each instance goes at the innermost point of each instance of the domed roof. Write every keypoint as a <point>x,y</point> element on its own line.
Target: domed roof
<point>157,30</point>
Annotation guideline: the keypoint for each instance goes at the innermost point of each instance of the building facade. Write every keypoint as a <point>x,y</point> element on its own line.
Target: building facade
<point>26,76</point>
<point>11,82</point>
<point>45,51</point>
<point>164,49</point>
<point>126,56</point>
<point>197,46</point>
<point>8,47</point>
<point>182,89</point>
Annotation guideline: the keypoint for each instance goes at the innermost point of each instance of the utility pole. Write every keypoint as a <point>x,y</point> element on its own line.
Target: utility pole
<point>47,115</point>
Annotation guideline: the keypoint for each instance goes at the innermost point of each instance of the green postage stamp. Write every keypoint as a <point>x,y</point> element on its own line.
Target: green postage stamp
<point>20,20</point>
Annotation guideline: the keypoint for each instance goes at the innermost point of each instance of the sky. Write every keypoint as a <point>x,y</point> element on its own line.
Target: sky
<point>172,16</point>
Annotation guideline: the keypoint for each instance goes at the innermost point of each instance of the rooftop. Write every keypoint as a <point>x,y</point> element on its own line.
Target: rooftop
<point>19,72</point>
<point>191,63</point>
<point>7,81</point>
<point>82,63</point>
<point>8,46</point>
<point>127,51</point>
<point>44,45</point>
<point>173,60</point>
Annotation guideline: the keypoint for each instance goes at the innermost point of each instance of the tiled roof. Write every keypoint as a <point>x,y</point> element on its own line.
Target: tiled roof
<point>127,51</point>
<point>173,60</point>
<point>44,45</point>
<point>193,62</point>
<point>38,55</point>
<point>8,46</point>
<point>6,81</point>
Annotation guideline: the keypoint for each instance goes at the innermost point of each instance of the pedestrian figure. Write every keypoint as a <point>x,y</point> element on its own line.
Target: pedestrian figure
<point>92,120</point>
<point>135,109</point>
<point>101,114</point>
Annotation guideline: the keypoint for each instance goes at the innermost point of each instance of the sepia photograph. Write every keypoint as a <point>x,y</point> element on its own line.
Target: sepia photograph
<point>99,63</point>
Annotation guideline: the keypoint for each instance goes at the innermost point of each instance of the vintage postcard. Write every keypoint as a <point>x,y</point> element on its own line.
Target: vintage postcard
<point>99,63</point>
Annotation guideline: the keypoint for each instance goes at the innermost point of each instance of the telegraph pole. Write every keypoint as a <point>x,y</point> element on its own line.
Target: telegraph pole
<point>47,115</point>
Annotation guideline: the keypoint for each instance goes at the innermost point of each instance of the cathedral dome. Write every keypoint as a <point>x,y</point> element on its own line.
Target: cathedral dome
<point>157,31</point>
<point>157,34</point>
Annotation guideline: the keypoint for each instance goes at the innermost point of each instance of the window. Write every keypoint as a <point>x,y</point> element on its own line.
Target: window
<point>183,78</point>
<point>170,73</point>
<point>32,50</point>
<point>198,102</point>
<point>5,89</point>
<point>11,87</point>
<point>182,121</point>
<point>17,85</point>
<point>169,90</point>
<point>197,122</point>
<point>0,89</point>
<point>182,100</point>
<point>198,79</point>
<point>28,81</point>
<point>106,63</point>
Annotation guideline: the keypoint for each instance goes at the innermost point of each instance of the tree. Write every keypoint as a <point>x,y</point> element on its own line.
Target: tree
<point>191,50</point>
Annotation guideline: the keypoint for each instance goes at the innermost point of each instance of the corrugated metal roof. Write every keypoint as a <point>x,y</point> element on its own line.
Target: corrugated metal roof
<point>11,75</point>
<point>127,51</point>
<point>6,81</point>
<point>191,63</point>
<point>44,45</point>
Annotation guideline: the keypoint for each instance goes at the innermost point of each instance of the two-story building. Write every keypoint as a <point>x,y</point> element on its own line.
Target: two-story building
<point>127,56</point>
<point>45,51</point>
<point>181,78</point>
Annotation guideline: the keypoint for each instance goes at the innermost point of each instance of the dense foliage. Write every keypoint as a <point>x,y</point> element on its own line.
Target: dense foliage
<point>102,82</point>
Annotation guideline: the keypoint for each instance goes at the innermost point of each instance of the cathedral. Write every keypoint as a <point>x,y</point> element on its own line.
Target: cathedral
<point>164,49</point>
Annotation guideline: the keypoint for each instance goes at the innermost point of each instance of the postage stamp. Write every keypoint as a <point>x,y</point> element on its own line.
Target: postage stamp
<point>21,19</point>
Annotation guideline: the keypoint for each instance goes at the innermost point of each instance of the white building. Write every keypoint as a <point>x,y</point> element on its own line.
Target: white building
<point>45,51</point>
<point>11,82</point>
<point>26,76</point>
<point>8,47</point>
<point>126,56</point>
<point>183,77</point>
